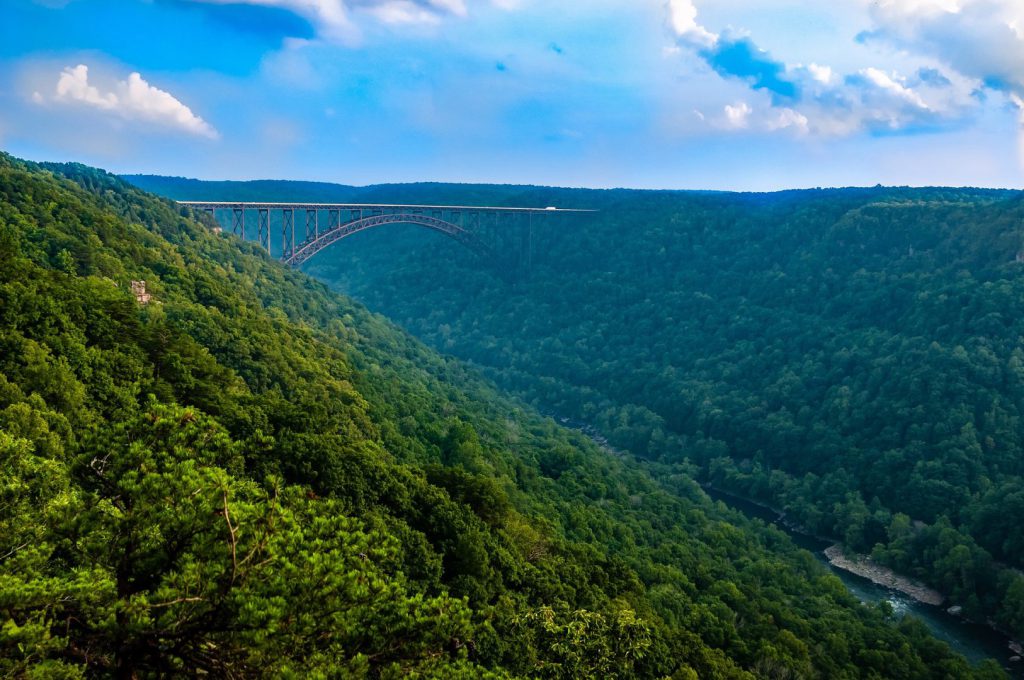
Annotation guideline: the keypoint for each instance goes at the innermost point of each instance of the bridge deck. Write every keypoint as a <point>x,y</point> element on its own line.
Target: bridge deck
<point>253,205</point>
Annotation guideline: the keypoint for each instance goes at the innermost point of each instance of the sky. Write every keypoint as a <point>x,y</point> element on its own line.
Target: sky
<point>674,94</point>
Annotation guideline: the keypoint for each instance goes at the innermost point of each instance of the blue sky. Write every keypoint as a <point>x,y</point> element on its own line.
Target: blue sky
<point>720,94</point>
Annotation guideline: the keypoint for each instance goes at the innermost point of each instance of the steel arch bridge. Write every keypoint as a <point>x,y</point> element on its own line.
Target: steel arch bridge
<point>465,224</point>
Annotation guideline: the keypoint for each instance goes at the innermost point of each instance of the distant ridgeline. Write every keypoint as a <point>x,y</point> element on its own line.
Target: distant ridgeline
<point>252,476</point>
<point>853,356</point>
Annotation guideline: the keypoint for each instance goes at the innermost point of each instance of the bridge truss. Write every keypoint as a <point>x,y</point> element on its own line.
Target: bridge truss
<point>308,228</point>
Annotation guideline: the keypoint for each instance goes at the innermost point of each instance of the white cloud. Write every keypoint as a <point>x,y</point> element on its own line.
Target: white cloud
<point>683,16</point>
<point>818,101</point>
<point>918,6</point>
<point>741,116</point>
<point>1019,103</point>
<point>873,99</point>
<point>980,39</point>
<point>823,74</point>
<point>887,82</point>
<point>403,12</point>
<point>788,119</point>
<point>73,84</point>
<point>456,7</point>
<point>132,99</point>
<point>1017,26</point>
<point>331,17</point>
<point>868,100</point>
<point>737,116</point>
<point>334,19</point>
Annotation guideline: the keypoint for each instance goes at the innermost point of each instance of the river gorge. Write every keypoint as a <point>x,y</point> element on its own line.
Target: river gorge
<point>974,641</point>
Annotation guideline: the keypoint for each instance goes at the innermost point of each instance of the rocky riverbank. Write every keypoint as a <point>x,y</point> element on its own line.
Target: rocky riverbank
<point>966,638</point>
<point>883,576</point>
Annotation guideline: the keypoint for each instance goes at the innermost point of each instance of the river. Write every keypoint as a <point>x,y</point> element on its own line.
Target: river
<point>974,641</point>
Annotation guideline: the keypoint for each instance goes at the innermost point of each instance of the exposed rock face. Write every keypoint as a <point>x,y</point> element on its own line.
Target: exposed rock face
<point>883,576</point>
<point>139,291</point>
<point>955,610</point>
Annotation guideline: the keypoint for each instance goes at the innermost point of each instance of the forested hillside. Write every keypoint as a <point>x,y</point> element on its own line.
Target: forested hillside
<point>852,356</point>
<point>251,476</point>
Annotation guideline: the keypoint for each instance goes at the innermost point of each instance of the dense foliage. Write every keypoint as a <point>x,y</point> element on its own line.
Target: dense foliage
<point>853,356</point>
<point>251,476</point>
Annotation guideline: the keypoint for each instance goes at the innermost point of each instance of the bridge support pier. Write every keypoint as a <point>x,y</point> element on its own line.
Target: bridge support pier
<point>263,225</point>
<point>238,222</point>
<point>287,233</point>
<point>312,225</point>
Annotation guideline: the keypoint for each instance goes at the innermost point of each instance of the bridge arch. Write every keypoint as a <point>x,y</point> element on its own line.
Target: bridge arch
<point>312,246</point>
<point>345,219</point>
